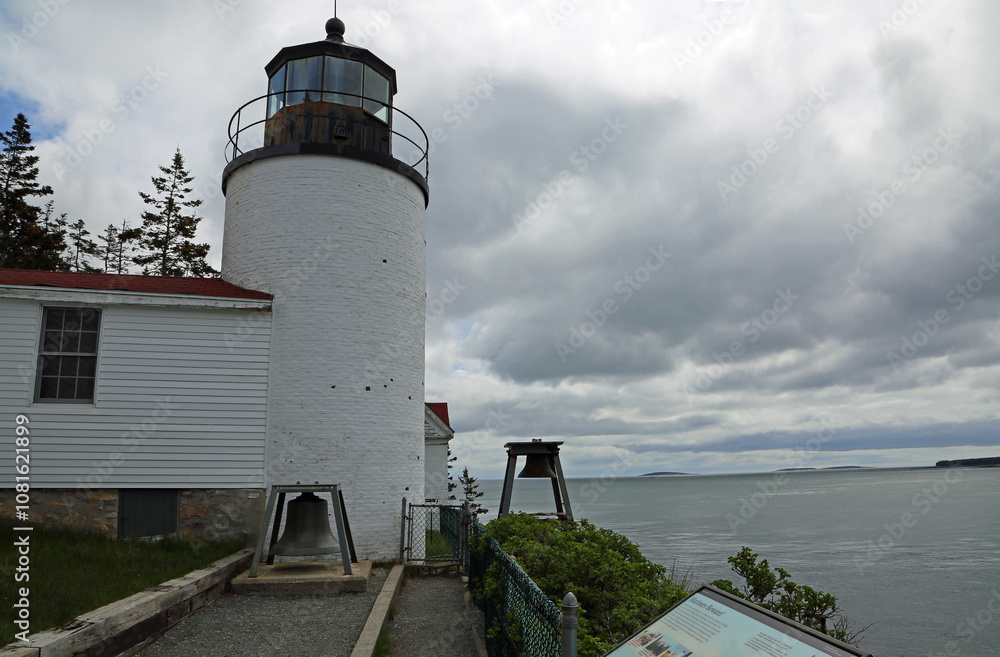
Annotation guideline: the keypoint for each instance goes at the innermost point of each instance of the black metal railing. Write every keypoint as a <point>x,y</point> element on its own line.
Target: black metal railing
<point>398,134</point>
<point>521,621</point>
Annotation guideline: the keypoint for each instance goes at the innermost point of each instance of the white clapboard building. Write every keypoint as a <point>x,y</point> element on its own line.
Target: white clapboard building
<point>159,404</point>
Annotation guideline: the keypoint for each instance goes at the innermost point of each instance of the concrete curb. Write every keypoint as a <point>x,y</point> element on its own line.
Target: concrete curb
<point>121,625</point>
<point>365,646</point>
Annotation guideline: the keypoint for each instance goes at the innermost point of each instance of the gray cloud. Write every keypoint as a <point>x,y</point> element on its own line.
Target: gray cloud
<point>823,190</point>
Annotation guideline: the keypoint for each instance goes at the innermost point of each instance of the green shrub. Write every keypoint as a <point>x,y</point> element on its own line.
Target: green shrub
<point>775,591</point>
<point>618,589</point>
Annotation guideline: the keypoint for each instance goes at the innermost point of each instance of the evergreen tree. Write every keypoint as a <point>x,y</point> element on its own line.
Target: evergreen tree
<point>25,242</point>
<point>451,480</point>
<point>80,247</point>
<point>106,252</point>
<point>471,492</point>
<point>116,250</point>
<point>127,236</point>
<point>168,229</point>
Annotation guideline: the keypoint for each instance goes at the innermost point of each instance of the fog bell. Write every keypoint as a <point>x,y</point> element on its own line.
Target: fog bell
<point>307,529</point>
<point>538,466</point>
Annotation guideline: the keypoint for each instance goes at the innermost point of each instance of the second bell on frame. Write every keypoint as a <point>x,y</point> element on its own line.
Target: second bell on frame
<point>307,528</point>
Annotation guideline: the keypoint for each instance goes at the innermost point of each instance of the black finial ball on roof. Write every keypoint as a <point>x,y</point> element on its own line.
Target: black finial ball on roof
<point>335,29</point>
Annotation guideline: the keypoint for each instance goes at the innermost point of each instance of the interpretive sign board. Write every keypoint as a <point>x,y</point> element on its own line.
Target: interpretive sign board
<point>713,623</point>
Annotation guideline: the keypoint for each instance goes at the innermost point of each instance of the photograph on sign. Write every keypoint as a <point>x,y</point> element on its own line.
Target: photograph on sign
<point>713,623</point>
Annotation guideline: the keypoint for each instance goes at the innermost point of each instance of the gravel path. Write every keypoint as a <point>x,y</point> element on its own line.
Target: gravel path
<point>431,619</point>
<point>263,626</point>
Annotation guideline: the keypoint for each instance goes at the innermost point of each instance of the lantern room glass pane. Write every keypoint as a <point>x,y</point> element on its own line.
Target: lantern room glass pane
<point>304,80</point>
<point>276,87</point>
<point>342,75</point>
<point>376,94</point>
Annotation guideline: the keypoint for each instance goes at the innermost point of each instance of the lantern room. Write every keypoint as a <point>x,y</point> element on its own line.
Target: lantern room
<point>332,98</point>
<point>330,92</point>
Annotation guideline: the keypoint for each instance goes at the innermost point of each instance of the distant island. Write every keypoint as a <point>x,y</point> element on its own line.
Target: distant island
<point>832,467</point>
<point>660,474</point>
<point>989,462</point>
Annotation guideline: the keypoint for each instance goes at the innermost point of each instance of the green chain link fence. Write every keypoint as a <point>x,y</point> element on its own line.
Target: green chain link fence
<point>520,620</point>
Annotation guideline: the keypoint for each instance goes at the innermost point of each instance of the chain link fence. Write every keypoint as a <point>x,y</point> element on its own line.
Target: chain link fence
<point>424,541</point>
<point>520,620</point>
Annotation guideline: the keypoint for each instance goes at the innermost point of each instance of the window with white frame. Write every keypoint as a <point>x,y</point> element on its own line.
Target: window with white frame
<point>67,355</point>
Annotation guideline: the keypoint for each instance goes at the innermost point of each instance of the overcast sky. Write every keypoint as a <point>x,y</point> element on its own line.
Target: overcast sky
<point>678,235</point>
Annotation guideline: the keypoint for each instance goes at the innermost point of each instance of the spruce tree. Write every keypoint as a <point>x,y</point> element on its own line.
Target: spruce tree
<point>25,241</point>
<point>80,248</point>
<point>168,228</point>
<point>116,250</point>
<point>109,247</point>
<point>471,492</point>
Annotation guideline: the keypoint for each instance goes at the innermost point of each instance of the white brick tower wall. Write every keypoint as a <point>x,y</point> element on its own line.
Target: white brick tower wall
<point>339,242</point>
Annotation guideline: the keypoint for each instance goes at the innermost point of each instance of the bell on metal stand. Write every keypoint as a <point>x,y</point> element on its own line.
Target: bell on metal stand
<point>541,462</point>
<point>538,466</point>
<point>307,529</point>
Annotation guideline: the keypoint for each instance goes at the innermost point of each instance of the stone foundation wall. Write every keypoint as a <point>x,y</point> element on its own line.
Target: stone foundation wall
<point>221,514</point>
<point>83,511</point>
<point>211,515</point>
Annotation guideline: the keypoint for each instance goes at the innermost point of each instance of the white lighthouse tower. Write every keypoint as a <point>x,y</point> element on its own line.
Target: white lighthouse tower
<point>321,213</point>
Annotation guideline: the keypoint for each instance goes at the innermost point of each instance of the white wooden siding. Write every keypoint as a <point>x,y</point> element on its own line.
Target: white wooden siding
<point>181,400</point>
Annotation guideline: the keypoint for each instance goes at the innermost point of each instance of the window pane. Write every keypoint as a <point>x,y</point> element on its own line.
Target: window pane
<point>88,366</point>
<point>342,75</point>
<point>88,343</point>
<point>89,319</point>
<point>68,365</point>
<point>71,341</point>
<point>277,86</point>
<point>72,319</point>
<point>50,365</point>
<point>49,387</point>
<point>53,318</point>
<point>376,94</point>
<point>85,389</point>
<point>303,74</point>
<point>52,341</point>
<point>67,388</point>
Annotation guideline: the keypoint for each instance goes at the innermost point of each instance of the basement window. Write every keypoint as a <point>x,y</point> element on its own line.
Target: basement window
<point>67,355</point>
<point>147,512</point>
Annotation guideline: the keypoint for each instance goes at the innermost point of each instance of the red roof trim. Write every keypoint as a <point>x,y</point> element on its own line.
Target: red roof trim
<point>441,410</point>
<point>201,287</point>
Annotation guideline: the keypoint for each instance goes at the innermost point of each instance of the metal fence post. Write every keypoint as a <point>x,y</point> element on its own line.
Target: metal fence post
<point>402,534</point>
<point>464,539</point>
<point>570,623</point>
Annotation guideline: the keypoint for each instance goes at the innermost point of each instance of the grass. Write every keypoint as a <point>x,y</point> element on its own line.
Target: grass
<point>72,573</point>
<point>383,646</point>
<point>436,547</point>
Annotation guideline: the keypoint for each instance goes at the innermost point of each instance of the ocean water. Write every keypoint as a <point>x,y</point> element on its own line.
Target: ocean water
<point>913,552</point>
